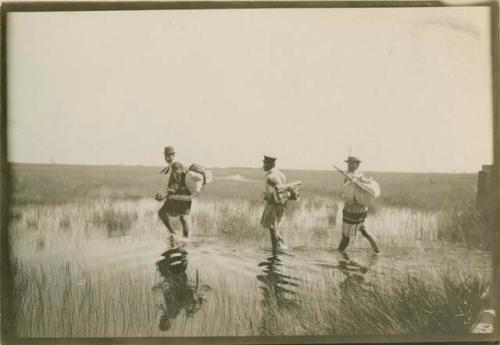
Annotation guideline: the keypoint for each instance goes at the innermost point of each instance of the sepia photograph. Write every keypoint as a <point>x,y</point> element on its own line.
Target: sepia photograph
<point>254,172</point>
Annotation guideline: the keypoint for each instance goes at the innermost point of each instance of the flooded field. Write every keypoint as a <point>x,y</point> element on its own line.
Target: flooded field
<point>90,269</point>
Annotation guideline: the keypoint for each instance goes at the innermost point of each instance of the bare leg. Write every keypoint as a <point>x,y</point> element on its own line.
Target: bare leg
<point>166,220</point>
<point>185,225</point>
<point>281,241</point>
<point>369,237</point>
<point>343,243</point>
<point>346,233</point>
<point>274,240</point>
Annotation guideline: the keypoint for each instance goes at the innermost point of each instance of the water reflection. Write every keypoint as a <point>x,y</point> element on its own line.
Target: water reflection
<point>355,274</point>
<point>278,292</point>
<point>180,290</point>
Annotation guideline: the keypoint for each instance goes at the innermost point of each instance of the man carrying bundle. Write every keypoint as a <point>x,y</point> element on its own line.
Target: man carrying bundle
<point>178,197</point>
<point>276,196</point>
<point>357,192</point>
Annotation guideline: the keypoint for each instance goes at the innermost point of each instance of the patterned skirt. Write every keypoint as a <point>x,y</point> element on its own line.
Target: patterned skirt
<point>352,222</point>
<point>271,217</point>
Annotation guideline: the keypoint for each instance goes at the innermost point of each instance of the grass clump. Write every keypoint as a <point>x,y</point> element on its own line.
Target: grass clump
<point>32,223</point>
<point>239,222</point>
<point>465,225</point>
<point>116,222</point>
<point>408,306</point>
<point>65,222</point>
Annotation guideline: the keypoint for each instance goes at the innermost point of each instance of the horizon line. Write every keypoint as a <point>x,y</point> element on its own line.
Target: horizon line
<point>240,167</point>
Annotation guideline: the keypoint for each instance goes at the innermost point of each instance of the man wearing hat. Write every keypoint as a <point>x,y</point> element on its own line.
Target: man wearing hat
<point>275,205</point>
<point>354,214</point>
<point>178,198</point>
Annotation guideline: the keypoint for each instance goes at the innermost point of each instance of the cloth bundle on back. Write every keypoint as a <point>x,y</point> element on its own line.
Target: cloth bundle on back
<point>196,177</point>
<point>361,190</point>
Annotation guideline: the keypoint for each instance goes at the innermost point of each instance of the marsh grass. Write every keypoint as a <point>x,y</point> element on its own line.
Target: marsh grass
<point>233,219</point>
<point>465,225</point>
<point>419,194</point>
<point>56,299</point>
<point>65,222</point>
<point>115,221</point>
<point>31,223</point>
<point>405,305</point>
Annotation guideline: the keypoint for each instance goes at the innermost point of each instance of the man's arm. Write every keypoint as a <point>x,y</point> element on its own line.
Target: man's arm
<point>168,172</point>
<point>276,182</point>
<point>362,178</point>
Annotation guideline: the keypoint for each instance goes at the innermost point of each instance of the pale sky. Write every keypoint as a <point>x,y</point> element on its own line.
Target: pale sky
<point>407,89</point>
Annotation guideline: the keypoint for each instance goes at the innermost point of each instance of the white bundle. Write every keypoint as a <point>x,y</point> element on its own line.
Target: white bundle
<point>209,178</point>
<point>363,192</point>
<point>194,180</point>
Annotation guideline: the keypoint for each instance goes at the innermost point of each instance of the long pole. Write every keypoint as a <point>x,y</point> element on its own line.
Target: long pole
<point>352,180</point>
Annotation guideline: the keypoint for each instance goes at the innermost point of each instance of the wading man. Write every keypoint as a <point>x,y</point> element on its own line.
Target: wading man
<point>355,206</point>
<point>275,202</point>
<point>178,198</point>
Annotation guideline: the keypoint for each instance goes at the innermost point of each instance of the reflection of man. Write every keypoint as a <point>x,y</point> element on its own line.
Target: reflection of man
<point>275,203</point>
<point>178,292</point>
<point>354,214</point>
<point>178,198</point>
<point>277,286</point>
<point>278,290</point>
<point>178,295</point>
<point>355,280</point>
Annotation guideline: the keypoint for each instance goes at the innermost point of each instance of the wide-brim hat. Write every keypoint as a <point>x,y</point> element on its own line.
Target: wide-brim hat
<point>352,159</point>
<point>169,150</point>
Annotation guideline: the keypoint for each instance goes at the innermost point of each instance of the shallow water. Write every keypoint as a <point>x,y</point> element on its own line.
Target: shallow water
<point>223,283</point>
